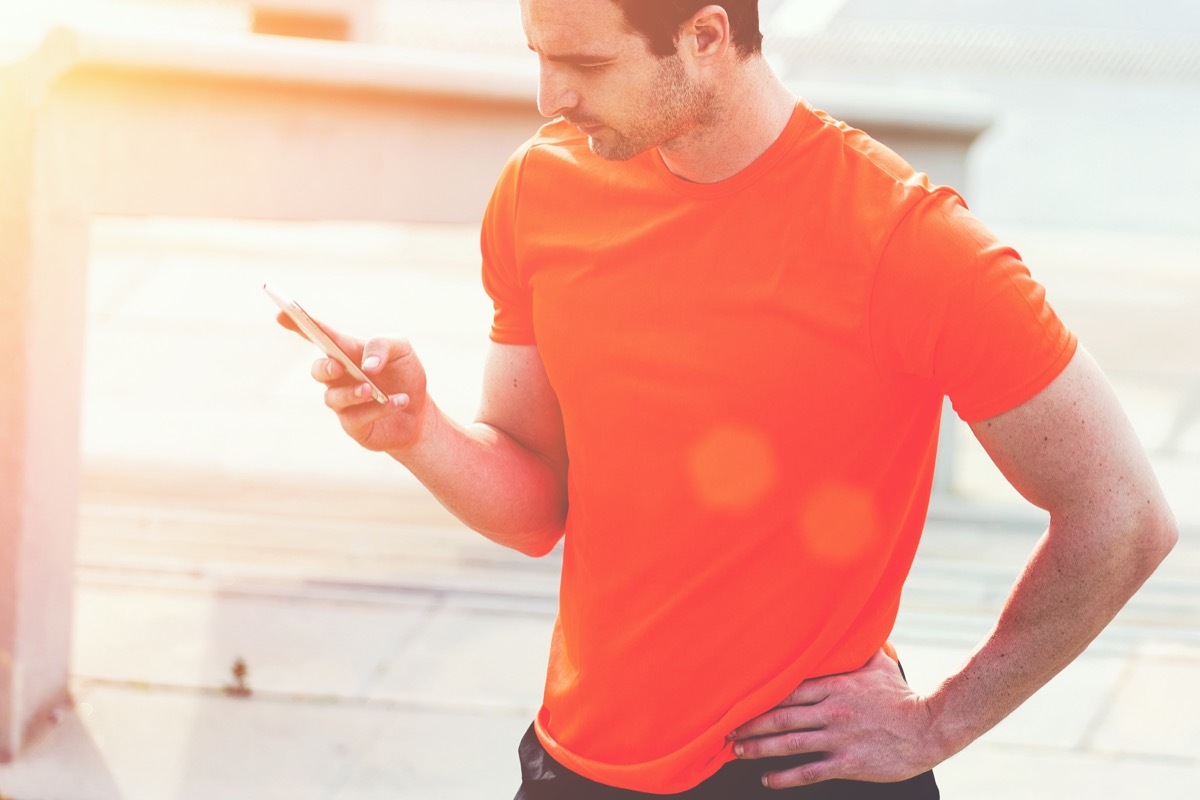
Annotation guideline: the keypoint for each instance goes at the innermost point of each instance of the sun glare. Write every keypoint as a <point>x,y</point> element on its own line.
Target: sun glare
<point>55,11</point>
<point>18,20</point>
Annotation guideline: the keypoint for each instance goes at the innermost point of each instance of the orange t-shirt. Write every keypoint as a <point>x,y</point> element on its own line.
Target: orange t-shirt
<point>751,376</point>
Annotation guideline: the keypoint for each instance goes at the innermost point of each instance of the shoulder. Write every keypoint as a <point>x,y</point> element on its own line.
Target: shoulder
<point>859,189</point>
<point>556,146</point>
<point>557,133</point>
<point>558,141</point>
<point>862,159</point>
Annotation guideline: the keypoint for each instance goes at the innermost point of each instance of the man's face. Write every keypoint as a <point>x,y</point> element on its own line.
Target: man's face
<point>604,80</point>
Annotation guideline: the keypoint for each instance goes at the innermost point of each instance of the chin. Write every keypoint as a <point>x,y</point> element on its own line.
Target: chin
<point>614,151</point>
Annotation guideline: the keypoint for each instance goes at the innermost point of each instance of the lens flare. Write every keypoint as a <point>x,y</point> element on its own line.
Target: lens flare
<point>733,468</point>
<point>838,522</point>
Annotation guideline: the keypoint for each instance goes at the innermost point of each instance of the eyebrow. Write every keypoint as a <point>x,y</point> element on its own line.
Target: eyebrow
<point>574,58</point>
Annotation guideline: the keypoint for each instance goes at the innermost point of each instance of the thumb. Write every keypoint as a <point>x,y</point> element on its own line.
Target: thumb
<point>379,351</point>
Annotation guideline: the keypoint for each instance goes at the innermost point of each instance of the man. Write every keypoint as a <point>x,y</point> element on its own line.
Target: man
<point>724,327</point>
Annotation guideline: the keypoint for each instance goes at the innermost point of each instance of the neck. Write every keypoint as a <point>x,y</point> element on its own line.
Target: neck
<point>750,112</point>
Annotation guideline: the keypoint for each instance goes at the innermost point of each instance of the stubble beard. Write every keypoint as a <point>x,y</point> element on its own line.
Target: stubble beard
<point>675,108</point>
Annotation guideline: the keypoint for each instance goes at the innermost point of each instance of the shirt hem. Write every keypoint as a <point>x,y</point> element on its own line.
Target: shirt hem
<point>1028,391</point>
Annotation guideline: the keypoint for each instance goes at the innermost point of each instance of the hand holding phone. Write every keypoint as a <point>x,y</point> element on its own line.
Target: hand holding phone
<point>312,331</point>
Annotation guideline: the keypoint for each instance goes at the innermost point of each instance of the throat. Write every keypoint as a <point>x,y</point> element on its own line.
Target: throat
<point>742,131</point>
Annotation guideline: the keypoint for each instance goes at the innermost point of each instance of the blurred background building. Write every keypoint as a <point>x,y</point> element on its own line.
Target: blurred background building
<point>1094,99</point>
<point>1085,163</point>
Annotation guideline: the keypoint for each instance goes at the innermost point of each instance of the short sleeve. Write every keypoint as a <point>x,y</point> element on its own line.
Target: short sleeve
<point>955,306</point>
<point>513,320</point>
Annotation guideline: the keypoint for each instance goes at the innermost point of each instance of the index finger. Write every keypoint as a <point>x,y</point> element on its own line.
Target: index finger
<point>343,349</point>
<point>297,319</point>
<point>331,342</point>
<point>781,719</point>
<point>283,319</point>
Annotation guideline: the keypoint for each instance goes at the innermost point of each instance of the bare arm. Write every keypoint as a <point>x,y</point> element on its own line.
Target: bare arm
<point>1072,451</point>
<point>503,475</point>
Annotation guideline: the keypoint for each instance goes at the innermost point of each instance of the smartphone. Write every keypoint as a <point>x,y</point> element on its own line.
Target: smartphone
<point>312,331</point>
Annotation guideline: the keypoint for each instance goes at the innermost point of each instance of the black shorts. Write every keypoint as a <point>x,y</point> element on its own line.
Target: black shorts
<point>543,778</point>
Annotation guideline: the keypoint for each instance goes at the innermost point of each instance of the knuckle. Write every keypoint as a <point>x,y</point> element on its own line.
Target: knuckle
<point>797,718</point>
<point>813,773</point>
<point>794,742</point>
<point>804,775</point>
<point>768,723</point>
<point>753,727</point>
<point>335,399</point>
<point>383,344</point>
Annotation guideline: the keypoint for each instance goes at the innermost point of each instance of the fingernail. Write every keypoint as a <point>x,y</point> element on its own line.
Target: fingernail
<point>737,750</point>
<point>370,362</point>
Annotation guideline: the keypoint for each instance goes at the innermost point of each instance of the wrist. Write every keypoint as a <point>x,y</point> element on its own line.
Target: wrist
<point>426,422</point>
<point>948,733</point>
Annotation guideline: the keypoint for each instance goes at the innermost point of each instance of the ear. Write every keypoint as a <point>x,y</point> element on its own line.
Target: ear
<point>706,37</point>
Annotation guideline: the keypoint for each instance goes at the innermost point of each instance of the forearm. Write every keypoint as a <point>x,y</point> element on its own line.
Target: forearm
<point>490,481</point>
<point>1072,587</point>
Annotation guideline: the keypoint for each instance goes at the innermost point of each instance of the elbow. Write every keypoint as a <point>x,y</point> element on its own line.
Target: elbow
<point>537,544</point>
<point>539,540</point>
<point>1127,541</point>
<point>528,538</point>
<point>1155,534</point>
<point>1164,535</point>
<point>532,531</point>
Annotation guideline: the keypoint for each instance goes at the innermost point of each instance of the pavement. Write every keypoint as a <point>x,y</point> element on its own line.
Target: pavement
<point>265,611</point>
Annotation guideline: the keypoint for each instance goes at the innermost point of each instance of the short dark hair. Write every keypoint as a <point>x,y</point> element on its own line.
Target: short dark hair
<point>659,22</point>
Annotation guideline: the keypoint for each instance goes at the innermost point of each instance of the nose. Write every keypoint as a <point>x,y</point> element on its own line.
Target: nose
<point>555,95</point>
